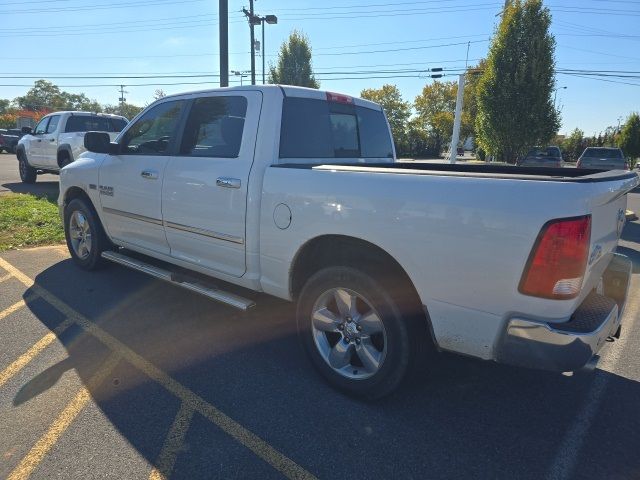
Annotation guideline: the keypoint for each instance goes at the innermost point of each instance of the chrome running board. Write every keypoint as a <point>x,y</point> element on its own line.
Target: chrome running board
<point>210,291</point>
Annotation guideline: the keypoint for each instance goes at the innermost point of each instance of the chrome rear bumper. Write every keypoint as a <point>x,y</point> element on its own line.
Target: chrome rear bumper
<point>568,346</point>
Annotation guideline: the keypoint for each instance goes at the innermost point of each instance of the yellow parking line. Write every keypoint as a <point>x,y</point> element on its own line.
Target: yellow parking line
<point>173,444</point>
<point>30,354</point>
<point>16,306</point>
<point>244,436</point>
<point>5,277</point>
<point>31,461</point>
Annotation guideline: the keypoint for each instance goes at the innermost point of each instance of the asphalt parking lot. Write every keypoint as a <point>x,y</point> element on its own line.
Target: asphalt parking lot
<point>115,375</point>
<point>10,179</point>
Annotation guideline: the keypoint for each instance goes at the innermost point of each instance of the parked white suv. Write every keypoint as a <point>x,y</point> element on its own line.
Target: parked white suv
<point>58,139</point>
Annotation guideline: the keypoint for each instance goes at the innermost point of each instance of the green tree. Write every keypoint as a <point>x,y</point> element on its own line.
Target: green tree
<point>45,95</point>
<point>124,109</point>
<point>629,138</point>
<point>515,104</point>
<point>435,107</point>
<point>573,145</point>
<point>397,110</point>
<point>5,105</point>
<point>294,63</point>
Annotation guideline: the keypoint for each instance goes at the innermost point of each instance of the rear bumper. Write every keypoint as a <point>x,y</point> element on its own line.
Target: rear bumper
<point>568,346</point>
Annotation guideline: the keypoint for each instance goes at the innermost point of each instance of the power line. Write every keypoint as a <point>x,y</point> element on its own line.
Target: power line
<point>141,3</point>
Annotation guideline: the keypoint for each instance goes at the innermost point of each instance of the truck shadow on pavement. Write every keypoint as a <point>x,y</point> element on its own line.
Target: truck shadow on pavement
<point>466,418</point>
<point>39,189</point>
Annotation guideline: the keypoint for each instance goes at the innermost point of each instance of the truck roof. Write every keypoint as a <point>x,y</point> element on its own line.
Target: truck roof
<point>79,112</point>
<point>286,90</point>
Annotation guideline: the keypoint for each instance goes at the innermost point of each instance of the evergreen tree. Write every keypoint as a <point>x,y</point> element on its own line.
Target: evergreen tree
<point>294,63</point>
<point>515,104</point>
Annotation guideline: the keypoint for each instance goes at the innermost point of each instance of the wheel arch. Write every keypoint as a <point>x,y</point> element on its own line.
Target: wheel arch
<point>335,250</point>
<point>64,149</point>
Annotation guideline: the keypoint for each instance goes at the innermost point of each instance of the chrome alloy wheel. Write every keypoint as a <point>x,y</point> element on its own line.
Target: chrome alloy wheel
<point>348,333</point>
<point>80,234</point>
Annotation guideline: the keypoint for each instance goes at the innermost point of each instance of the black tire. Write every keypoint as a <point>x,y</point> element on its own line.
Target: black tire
<point>398,355</point>
<point>28,174</point>
<point>64,159</point>
<point>99,241</point>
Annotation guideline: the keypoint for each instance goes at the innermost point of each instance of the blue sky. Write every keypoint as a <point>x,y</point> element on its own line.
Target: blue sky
<point>395,39</point>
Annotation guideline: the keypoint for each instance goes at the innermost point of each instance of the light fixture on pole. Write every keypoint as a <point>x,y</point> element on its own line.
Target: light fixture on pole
<point>254,21</point>
<point>555,94</point>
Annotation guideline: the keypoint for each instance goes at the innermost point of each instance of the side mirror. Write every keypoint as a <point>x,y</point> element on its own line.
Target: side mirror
<point>99,142</point>
<point>26,130</point>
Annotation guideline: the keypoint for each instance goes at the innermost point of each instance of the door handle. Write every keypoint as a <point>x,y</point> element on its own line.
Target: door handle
<point>149,174</point>
<point>228,182</point>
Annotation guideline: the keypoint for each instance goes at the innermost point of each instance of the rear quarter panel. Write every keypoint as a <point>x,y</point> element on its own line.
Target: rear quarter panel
<point>462,241</point>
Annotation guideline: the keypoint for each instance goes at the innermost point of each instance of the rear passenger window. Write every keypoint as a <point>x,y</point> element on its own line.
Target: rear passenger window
<point>154,132</point>
<point>93,123</point>
<point>314,128</point>
<point>214,127</point>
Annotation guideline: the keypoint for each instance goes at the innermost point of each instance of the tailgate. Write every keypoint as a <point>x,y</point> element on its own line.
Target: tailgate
<point>608,203</point>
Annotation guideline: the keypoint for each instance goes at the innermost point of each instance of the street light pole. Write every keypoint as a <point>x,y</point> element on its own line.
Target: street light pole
<point>262,48</point>
<point>457,120</point>
<point>555,94</point>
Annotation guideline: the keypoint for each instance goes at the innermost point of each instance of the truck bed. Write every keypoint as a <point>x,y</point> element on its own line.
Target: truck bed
<point>546,174</point>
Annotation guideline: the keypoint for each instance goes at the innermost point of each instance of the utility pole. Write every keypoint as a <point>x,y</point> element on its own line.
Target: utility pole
<point>253,45</point>
<point>223,12</point>
<point>122,99</point>
<point>262,50</point>
<point>253,20</point>
<point>457,120</point>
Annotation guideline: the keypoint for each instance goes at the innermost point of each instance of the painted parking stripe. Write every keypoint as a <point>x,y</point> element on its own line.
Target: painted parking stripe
<point>250,440</point>
<point>5,277</point>
<point>17,306</point>
<point>39,346</point>
<point>37,453</point>
<point>566,459</point>
<point>173,444</point>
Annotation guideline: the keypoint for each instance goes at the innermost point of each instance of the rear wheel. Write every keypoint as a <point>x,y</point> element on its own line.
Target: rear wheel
<point>353,332</point>
<point>28,174</point>
<point>85,237</point>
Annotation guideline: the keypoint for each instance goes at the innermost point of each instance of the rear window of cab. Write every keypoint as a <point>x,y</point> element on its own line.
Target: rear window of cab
<point>313,128</point>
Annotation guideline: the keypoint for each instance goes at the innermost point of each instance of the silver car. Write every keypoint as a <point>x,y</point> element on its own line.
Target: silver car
<point>603,158</point>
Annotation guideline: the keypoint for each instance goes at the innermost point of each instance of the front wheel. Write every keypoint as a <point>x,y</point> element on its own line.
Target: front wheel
<point>353,332</point>
<point>28,174</point>
<point>85,237</point>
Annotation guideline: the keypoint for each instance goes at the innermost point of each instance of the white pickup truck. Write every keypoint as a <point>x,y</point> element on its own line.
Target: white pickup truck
<point>58,139</point>
<point>296,192</point>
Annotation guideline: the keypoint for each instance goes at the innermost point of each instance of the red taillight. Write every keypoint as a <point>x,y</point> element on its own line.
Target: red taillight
<point>558,260</point>
<point>339,98</point>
